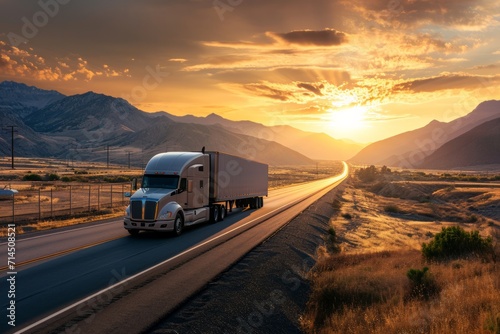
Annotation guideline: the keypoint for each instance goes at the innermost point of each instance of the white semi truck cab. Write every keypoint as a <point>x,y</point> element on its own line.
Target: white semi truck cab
<point>185,188</point>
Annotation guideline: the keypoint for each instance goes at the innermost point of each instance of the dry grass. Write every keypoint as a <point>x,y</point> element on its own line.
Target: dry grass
<point>369,293</point>
<point>380,229</point>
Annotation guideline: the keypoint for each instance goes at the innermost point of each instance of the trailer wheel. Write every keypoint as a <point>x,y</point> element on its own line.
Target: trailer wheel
<point>178,224</point>
<point>222,212</point>
<point>256,203</point>
<point>261,202</point>
<point>214,214</point>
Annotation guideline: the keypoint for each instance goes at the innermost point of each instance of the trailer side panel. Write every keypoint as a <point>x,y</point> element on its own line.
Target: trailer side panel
<point>236,178</point>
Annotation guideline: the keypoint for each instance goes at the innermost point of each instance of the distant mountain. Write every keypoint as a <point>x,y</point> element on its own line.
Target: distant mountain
<point>409,149</point>
<point>26,140</point>
<point>314,145</point>
<point>167,135</point>
<point>23,100</point>
<point>86,126</point>
<point>477,147</point>
<point>89,117</point>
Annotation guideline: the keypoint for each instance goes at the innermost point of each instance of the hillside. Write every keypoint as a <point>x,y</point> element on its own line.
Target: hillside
<point>314,145</point>
<point>479,146</point>
<point>167,135</point>
<point>87,126</point>
<point>409,149</point>
<point>22,99</point>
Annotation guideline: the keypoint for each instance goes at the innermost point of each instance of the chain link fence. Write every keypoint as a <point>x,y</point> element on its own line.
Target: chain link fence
<point>42,201</point>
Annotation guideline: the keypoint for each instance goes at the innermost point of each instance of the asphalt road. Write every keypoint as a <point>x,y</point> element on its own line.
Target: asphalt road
<point>71,265</point>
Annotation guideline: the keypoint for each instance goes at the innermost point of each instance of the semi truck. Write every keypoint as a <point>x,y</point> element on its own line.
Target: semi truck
<point>181,189</point>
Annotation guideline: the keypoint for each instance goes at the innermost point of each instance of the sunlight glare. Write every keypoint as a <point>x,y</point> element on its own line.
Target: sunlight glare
<point>348,119</point>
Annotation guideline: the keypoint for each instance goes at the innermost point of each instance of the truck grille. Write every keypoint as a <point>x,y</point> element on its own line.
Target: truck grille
<point>143,209</point>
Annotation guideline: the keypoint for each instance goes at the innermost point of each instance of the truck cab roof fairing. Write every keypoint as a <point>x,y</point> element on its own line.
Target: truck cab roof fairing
<point>170,163</point>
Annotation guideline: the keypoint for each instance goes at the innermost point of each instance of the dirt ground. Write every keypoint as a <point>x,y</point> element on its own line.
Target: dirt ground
<point>404,215</point>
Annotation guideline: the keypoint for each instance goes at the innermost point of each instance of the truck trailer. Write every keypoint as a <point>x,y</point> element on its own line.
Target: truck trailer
<point>186,188</point>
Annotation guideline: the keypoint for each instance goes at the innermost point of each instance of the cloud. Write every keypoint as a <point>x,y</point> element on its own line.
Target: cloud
<point>445,82</point>
<point>316,89</point>
<point>26,63</point>
<point>326,37</point>
<point>268,91</point>
<point>460,14</point>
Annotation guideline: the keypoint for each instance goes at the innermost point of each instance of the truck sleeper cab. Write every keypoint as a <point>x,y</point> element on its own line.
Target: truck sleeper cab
<point>185,188</point>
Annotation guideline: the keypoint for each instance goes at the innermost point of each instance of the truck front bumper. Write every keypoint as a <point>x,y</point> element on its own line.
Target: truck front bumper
<point>159,225</point>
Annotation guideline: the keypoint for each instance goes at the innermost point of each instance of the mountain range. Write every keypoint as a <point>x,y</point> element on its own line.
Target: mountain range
<point>435,145</point>
<point>87,126</point>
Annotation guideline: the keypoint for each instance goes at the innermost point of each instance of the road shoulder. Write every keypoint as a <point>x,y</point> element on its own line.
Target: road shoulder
<point>267,290</point>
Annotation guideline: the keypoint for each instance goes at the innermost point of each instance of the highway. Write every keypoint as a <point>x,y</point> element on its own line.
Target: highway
<point>97,278</point>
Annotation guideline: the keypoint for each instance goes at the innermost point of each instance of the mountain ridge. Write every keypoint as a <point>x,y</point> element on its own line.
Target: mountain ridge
<point>472,148</point>
<point>79,126</point>
<point>319,146</point>
<point>409,149</point>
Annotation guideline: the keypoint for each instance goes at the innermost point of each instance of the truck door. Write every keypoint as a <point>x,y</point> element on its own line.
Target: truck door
<point>198,186</point>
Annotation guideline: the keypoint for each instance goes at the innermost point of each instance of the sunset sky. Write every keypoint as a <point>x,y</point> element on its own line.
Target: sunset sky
<point>357,69</point>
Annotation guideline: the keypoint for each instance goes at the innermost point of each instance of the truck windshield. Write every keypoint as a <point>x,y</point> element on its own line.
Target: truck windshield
<point>160,181</point>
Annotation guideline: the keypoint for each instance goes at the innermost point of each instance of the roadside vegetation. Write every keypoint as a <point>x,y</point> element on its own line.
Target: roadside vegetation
<point>396,260</point>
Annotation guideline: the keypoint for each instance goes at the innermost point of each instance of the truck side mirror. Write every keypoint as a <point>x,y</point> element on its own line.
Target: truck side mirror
<point>134,183</point>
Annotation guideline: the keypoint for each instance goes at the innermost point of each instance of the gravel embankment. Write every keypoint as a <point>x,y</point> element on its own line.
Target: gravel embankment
<point>267,290</point>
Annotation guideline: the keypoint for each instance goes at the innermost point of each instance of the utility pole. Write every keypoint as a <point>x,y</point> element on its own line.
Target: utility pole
<point>12,143</point>
<point>107,156</point>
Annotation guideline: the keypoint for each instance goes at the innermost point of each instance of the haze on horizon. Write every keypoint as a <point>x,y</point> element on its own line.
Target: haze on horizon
<point>358,69</point>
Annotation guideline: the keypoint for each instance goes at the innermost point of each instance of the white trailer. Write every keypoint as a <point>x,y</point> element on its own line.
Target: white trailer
<point>185,188</point>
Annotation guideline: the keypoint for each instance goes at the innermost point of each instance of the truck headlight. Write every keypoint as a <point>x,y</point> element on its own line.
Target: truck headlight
<point>166,215</point>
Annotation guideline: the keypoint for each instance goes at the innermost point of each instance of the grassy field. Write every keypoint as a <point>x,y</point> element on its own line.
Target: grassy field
<point>362,284</point>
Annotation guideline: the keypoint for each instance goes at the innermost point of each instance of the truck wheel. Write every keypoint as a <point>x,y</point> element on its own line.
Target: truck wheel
<point>178,224</point>
<point>261,202</point>
<point>214,214</point>
<point>222,212</point>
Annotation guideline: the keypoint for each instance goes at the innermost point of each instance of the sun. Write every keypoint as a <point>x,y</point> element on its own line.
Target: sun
<point>350,118</point>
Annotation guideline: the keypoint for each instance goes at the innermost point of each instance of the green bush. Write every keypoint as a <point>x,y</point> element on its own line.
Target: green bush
<point>422,284</point>
<point>454,242</point>
<point>53,177</point>
<point>32,177</point>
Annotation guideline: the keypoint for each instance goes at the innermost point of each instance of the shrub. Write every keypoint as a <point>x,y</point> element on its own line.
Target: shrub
<point>367,174</point>
<point>32,177</point>
<point>454,242</point>
<point>53,177</point>
<point>347,216</point>
<point>392,209</point>
<point>422,284</point>
<point>332,241</point>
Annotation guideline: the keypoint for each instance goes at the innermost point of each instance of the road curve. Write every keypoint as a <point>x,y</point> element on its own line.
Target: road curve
<point>101,288</point>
